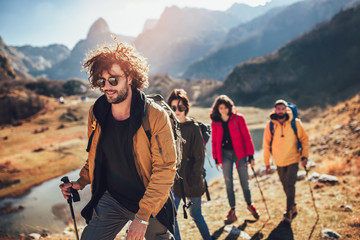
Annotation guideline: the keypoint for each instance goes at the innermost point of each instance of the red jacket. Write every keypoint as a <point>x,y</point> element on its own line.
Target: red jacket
<point>240,137</point>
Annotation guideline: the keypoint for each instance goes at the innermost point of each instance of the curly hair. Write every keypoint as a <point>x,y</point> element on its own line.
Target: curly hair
<point>179,94</point>
<point>222,99</point>
<point>124,54</point>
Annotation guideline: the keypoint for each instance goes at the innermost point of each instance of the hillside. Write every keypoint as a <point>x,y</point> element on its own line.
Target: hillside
<point>6,71</point>
<point>263,35</point>
<point>163,84</point>
<point>316,69</point>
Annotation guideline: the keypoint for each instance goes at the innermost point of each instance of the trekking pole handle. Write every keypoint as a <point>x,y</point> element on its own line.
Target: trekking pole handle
<point>65,179</point>
<point>74,193</point>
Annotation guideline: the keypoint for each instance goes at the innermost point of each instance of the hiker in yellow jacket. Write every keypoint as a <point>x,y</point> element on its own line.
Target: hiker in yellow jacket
<point>281,141</point>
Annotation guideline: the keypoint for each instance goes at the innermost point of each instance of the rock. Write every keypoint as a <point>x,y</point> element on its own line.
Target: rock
<point>44,234</point>
<point>310,164</point>
<point>301,175</point>
<point>330,234</point>
<point>236,232</point>
<point>325,178</point>
<point>357,130</point>
<point>348,208</point>
<point>336,127</point>
<point>314,177</point>
<point>34,236</point>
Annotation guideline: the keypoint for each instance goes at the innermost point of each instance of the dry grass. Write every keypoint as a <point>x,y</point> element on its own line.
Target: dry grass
<point>334,166</point>
<point>28,158</point>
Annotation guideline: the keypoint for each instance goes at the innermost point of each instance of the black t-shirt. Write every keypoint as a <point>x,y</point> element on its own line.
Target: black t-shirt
<point>226,140</point>
<point>123,181</point>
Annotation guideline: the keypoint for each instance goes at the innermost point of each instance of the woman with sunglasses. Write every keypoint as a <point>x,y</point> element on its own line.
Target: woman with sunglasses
<point>232,143</point>
<point>192,164</point>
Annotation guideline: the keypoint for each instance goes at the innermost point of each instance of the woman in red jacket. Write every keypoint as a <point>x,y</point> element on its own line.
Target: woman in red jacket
<point>232,143</point>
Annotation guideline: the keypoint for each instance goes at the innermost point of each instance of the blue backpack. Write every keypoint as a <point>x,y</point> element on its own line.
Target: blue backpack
<point>294,110</point>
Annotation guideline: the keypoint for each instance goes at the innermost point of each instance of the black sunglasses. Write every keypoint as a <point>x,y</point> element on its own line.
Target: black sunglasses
<point>113,80</point>
<point>180,108</point>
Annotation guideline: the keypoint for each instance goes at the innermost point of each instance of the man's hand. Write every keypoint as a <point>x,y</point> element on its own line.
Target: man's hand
<point>251,160</point>
<point>65,188</point>
<point>136,230</point>
<point>268,169</point>
<point>219,165</point>
<point>304,161</point>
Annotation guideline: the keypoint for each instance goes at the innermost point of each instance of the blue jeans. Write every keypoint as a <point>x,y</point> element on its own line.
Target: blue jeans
<point>228,161</point>
<point>195,213</point>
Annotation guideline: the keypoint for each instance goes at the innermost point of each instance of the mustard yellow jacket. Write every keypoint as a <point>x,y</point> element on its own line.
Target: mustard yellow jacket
<point>284,145</point>
<point>155,161</point>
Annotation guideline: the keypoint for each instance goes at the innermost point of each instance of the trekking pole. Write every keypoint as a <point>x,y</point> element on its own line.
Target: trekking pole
<point>206,187</point>
<point>262,195</point>
<point>313,200</point>
<point>74,196</point>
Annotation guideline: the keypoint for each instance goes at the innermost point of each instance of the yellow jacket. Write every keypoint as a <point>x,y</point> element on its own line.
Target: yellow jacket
<point>284,145</point>
<point>155,162</point>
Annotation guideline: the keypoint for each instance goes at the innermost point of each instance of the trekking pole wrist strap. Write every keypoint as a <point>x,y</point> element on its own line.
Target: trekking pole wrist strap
<point>141,221</point>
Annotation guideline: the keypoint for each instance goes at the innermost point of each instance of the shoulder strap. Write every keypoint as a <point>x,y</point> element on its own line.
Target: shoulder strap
<point>93,127</point>
<point>293,126</point>
<point>146,122</point>
<point>271,127</point>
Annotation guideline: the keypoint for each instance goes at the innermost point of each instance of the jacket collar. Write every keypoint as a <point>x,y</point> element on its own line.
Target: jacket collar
<point>137,110</point>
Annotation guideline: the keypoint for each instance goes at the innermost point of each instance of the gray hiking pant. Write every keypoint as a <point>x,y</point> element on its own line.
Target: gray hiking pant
<point>288,175</point>
<point>109,217</point>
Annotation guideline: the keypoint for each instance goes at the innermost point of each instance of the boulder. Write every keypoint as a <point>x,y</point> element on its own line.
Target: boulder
<point>325,178</point>
<point>329,234</point>
<point>301,175</point>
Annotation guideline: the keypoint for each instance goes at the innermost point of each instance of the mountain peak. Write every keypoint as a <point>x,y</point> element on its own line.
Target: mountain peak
<point>100,26</point>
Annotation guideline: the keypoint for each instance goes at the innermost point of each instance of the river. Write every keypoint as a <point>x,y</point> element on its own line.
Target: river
<point>46,210</point>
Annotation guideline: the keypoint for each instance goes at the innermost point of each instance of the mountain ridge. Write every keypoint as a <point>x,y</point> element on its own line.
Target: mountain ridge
<point>289,23</point>
<point>315,69</point>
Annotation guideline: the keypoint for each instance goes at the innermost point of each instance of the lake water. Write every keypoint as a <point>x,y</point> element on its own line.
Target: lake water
<point>46,210</point>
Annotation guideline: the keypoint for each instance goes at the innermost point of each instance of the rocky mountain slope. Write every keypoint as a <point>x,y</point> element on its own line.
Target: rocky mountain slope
<point>264,35</point>
<point>316,69</point>
<point>27,61</point>
<point>182,35</point>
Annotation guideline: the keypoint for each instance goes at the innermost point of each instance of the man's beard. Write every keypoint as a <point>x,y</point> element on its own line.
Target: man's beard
<point>121,96</point>
<point>282,116</point>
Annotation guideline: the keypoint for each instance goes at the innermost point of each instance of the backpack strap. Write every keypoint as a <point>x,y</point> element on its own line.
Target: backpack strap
<point>146,122</point>
<point>93,127</point>
<point>293,126</point>
<point>271,127</point>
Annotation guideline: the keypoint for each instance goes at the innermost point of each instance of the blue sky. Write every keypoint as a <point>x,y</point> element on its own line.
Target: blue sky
<point>44,22</point>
